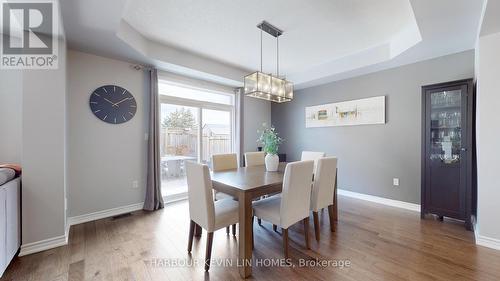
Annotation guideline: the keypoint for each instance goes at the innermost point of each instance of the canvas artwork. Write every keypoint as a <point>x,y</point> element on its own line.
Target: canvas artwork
<point>347,113</point>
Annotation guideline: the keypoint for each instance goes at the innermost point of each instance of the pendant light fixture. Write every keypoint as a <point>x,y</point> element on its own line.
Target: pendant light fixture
<point>267,86</point>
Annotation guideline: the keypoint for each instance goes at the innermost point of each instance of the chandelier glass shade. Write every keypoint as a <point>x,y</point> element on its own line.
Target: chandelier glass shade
<point>268,87</point>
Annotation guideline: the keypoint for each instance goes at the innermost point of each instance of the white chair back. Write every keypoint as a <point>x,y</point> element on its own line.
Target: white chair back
<point>222,162</point>
<point>254,158</point>
<point>324,183</point>
<point>312,155</point>
<point>296,193</point>
<point>201,204</point>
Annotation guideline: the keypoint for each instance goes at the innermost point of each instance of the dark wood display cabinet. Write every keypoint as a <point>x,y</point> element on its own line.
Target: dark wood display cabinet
<point>447,146</point>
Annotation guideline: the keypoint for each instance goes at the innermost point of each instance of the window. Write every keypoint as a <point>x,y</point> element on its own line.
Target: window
<point>195,124</point>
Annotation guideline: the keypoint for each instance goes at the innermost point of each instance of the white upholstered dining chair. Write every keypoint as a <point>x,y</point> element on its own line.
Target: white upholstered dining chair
<point>223,162</point>
<point>203,211</point>
<point>293,204</point>
<point>312,155</point>
<point>323,190</point>
<point>254,158</point>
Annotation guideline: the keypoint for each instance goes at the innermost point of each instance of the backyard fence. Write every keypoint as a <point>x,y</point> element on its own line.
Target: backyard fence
<point>180,142</point>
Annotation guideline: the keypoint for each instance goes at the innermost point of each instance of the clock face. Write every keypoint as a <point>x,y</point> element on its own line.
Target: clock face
<point>113,104</point>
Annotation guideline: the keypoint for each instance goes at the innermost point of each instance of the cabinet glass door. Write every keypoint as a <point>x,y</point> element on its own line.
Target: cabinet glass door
<point>446,126</point>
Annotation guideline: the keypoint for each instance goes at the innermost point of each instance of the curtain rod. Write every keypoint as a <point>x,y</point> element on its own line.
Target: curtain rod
<point>141,67</point>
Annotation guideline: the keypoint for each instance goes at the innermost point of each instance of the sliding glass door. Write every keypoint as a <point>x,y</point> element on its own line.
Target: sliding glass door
<point>192,129</point>
<point>178,144</point>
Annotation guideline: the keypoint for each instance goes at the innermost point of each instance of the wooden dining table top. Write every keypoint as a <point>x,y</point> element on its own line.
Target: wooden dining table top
<point>249,178</point>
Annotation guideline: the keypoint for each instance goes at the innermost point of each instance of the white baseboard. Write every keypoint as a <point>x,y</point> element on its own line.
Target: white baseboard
<point>487,241</point>
<point>104,214</point>
<point>381,200</point>
<point>43,245</point>
<point>62,240</point>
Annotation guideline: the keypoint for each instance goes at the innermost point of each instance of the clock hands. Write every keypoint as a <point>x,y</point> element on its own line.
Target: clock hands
<point>117,103</point>
<point>121,101</point>
<point>108,101</point>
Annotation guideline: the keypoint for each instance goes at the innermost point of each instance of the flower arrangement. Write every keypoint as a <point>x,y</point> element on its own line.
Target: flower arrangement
<point>269,139</point>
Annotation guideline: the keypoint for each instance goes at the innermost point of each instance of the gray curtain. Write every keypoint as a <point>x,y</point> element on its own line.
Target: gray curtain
<point>154,199</point>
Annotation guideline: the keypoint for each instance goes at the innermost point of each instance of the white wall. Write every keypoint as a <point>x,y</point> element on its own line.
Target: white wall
<point>255,112</point>
<point>43,152</point>
<point>11,100</point>
<point>488,137</point>
<point>104,159</point>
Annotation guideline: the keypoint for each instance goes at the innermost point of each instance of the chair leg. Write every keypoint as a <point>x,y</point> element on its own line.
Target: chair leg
<point>259,221</point>
<point>251,232</point>
<point>285,242</point>
<point>316,225</point>
<point>275,228</point>
<point>234,229</point>
<point>227,230</point>
<point>332,219</point>
<point>306,232</point>
<point>197,230</point>
<point>208,251</point>
<point>191,234</point>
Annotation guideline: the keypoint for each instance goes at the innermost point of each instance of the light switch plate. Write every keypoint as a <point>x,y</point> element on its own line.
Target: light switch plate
<point>135,184</point>
<point>395,181</point>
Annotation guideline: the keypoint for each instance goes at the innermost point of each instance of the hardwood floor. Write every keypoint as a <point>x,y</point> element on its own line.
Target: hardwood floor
<point>381,243</point>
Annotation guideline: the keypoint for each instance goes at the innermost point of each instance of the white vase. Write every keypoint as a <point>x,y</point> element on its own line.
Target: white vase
<point>272,162</point>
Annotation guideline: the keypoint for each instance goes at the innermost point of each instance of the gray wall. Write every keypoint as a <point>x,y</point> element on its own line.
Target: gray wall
<point>43,152</point>
<point>104,159</point>
<point>255,113</point>
<point>11,104</point>
<point>370,156</point>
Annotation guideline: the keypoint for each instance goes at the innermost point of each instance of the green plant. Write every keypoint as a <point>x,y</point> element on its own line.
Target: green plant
<point>269,139</point>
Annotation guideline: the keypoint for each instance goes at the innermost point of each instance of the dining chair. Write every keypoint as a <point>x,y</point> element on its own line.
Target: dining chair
<point>254,158</point>
<point>292,205</point>
<point>323,190</point>
<point>312,155</point>
<point>203,211</point>
<point>223,162</point>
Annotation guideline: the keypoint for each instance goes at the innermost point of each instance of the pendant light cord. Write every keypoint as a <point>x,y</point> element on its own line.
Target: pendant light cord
<point>277,57</point>
<point>261,48</point>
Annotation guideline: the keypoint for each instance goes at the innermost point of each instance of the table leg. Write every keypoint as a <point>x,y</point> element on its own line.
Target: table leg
<point>245,238</point>
<point>335,204</point>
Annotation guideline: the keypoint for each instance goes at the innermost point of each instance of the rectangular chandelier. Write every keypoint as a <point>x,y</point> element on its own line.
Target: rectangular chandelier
<point>268,87</point>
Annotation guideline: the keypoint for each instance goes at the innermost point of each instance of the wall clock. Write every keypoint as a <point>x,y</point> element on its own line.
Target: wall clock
<point>113,104</point>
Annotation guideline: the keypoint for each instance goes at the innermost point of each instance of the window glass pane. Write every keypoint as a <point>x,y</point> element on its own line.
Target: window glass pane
<point>193,94</point>
<point>216,133</point>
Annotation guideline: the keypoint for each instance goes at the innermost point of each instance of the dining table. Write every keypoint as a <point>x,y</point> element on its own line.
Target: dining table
<point>247,184</point>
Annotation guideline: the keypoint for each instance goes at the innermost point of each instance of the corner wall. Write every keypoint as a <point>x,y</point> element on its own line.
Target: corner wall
<point>488,136</point>
<point>370,156</point>
<point>43,157</point>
